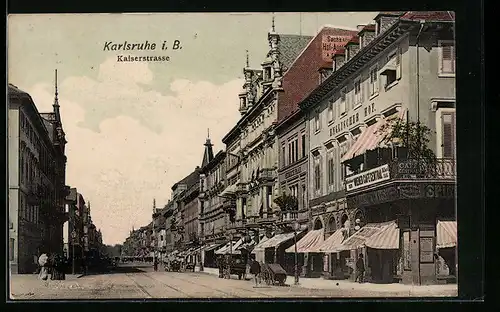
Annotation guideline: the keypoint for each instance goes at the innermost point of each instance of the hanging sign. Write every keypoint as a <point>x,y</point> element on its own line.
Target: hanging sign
<point>368,177</point>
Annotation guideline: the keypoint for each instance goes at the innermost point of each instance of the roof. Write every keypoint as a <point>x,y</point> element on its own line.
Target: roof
<point>302,77</point>
<point>354,39</point>
<point>290,47</point>
<point>208,154</point>
<point>389,13</point>
<point>189,180</point>
<point>369,27</point>
<point>429,16</point>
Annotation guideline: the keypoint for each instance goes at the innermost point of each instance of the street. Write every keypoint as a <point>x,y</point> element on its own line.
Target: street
<point>135,282</point>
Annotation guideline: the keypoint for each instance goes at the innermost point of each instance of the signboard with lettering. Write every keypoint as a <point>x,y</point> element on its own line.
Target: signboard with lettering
<point>331,43</point>
<point>384,195</point>
<point>426,249</point>
<point>368,177</point>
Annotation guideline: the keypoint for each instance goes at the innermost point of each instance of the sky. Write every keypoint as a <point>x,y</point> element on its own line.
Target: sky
<point>136,128</point>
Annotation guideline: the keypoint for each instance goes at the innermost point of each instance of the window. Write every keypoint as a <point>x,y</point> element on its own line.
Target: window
<point>267,74</point>
<point>374,80</point>
<point>330,110</point>
<point>448,134</point>
<point>303,140</point>
<point>317,174</point>
<point>446,58</point>
<point>343,101</point>
<point>304,196</point>
<point>331,168</point>
<point>11,249</point>
<point>317,121</point>
<point>283,155</point>
<point>357,92</point>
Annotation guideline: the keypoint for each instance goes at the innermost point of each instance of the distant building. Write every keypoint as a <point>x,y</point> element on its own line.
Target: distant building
<point>37,190</point>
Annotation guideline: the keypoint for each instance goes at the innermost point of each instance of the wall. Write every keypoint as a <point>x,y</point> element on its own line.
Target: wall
<point>355,114</point>
<point>13,173</point>
<point>432,85</point>
<point>303,75</point>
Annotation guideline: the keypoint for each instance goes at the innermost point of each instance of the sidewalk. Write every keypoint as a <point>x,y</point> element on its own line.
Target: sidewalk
<point>449,290</point>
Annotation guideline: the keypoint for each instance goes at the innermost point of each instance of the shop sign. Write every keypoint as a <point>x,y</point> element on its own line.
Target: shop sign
<point>367,178</point>
<point>292,172</point>
<point>376,197</point>
<point>426,249</point>
<point>331,43</point>
<point>440,190</point>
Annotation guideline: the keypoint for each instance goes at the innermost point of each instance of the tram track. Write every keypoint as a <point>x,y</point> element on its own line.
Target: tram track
<point>229,294</point>
<point>141,288</point>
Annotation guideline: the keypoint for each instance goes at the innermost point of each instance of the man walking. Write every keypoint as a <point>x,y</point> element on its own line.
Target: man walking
<point>360,269</point>
<point>255,270</point>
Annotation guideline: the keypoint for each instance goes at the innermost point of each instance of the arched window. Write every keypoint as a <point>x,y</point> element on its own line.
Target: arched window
<point>332,225</point>
<point>318,224</point>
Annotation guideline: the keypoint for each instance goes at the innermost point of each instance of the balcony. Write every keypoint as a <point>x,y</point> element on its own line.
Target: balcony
<point>239,224</point>
<point>267,174</point>
<point>406,169</point>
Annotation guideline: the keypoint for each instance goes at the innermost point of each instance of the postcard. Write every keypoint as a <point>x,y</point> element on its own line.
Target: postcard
<point>232,155</point>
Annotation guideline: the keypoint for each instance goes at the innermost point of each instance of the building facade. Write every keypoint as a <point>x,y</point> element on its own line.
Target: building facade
<point>257,152</point>
<point>37,190</point>
<point>400,68</point>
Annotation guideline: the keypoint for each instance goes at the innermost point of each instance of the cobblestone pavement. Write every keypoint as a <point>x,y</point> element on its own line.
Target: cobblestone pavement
<point>145,284</point>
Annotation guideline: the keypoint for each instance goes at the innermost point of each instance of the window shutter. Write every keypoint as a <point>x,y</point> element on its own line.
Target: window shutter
<point>447,58</point>
<point>448,130</point>
<point>398,64</point>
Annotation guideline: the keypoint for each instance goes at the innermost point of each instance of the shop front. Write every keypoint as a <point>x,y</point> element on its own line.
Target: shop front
<point>306,246</point>
<point>416,195</point>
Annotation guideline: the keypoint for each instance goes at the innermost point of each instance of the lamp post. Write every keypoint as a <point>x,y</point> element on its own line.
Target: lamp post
<point>296,226</point>
<point>73,240</point>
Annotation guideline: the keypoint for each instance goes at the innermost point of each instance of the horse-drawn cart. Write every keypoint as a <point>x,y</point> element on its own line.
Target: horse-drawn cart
<point>273,273</point>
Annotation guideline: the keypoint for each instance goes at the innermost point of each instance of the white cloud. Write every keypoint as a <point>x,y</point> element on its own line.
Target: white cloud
<point>150,143</point>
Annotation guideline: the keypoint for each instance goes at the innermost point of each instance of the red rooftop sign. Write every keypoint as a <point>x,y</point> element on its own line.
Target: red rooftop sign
<point>330,43</point>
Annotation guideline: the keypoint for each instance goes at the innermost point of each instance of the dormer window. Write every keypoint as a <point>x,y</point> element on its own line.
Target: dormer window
<point>243,102</point>
<point>267,73</point>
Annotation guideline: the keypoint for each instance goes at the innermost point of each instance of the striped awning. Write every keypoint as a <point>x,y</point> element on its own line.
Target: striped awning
<point>358,239</point>
<point>446,234</point>
<point>275,241</point>
<point>371,137</point>
<point>212,247</point>
<point>228,248</point>
<point>387,238</point>
<point>332,243</point>
<point>309,242</point>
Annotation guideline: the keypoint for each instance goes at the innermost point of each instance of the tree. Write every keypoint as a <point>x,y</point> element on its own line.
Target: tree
<point>287,203</point>
<point>412,136</point>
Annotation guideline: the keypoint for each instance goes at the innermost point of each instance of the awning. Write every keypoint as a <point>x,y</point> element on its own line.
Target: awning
<point>387,238</point>
<point>211,247</point>
<point>226,249</point>
<point>275,241</point>
<point>370,139</point>
<point>309,242</point>
<point>331,244</point>
<point>446,234</point>
<point>193,251</point>
<point>359,238</point>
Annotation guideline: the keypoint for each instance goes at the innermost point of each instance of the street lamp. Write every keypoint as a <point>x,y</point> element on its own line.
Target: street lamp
<point>296,227</point>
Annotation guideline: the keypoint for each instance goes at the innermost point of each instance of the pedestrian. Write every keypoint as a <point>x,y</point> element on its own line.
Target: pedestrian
<point>43,262</point>
<point>360,269</point>
<point>220,265</point>
<point>37,266</point>
<point>155,264</point>
<point>255,270</point>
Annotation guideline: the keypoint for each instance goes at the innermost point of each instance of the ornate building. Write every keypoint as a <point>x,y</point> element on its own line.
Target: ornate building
<point>37,190</point>
<point>213,217</point>
<point>251,145</point>
<point>402,68</point>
